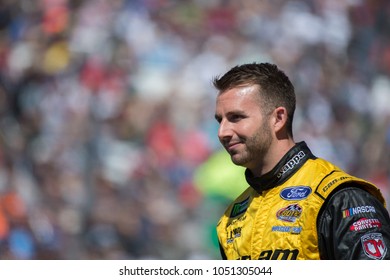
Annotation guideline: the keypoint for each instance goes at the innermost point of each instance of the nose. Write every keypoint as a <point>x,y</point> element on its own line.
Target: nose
<point>224,131</point>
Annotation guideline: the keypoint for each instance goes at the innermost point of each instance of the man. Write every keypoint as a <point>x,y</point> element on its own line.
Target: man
<point>297,206</point>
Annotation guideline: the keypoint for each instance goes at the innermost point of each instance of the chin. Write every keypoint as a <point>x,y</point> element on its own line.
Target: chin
<point>238,161</point>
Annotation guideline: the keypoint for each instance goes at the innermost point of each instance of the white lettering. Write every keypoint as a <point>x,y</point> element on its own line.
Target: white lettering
<point>362,209</point>
<point>291,163</point>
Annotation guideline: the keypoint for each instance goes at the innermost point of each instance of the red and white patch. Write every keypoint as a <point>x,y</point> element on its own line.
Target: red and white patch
<point>365,223</point>
<point>374,246</point>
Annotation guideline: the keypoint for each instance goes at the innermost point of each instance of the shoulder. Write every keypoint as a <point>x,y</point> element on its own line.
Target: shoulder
<point>353,198</point>
<point>350,220</point>
<point>332,179</point>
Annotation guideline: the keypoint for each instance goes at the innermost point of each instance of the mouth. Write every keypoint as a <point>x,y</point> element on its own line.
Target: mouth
<point>230,147</point>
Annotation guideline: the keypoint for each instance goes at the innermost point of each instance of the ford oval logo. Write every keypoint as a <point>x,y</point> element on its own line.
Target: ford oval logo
<point>295,193</point>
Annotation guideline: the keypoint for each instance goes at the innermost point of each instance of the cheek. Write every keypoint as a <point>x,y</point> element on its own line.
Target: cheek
<point>250,126</point>
<point>261,131</point>
<point>248,130</point>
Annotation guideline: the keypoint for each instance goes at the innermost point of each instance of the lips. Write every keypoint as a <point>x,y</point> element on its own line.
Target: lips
<point>232,146</point>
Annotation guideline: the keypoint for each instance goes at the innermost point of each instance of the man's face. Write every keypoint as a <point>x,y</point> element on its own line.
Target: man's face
<point>243,130</point>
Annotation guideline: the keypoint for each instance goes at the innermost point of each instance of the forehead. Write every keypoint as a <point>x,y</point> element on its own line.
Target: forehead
<point>246,96</point>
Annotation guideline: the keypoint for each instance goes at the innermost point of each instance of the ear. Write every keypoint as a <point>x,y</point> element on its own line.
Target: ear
<point>279,119</point>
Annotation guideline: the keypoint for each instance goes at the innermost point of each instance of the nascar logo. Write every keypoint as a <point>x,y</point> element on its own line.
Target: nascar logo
<point>358,210</point>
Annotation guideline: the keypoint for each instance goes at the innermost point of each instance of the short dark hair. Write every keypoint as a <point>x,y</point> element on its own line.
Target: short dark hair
<point>275,87</point>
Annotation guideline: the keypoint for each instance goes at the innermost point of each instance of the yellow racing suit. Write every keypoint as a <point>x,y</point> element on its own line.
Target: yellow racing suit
<point>305,208</point>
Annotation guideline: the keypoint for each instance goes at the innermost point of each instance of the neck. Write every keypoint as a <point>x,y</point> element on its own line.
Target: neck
<point>284,169</point>
<point>275,153</point>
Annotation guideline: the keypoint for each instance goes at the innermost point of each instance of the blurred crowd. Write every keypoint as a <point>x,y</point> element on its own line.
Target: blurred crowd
<point>106,113</point>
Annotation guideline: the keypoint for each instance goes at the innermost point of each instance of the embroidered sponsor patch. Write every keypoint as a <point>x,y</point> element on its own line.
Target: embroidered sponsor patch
<point>294,230</point>
<point>239,208</point>
<point>295,193</point>
<point>374,246</point>
<point>358,210</point>
<point>334,181</point>
<point>365,223</point>
<point>290,213</point>
<point>233,234</point>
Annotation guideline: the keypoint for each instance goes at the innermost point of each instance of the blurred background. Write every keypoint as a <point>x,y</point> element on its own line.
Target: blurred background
<point>108,143</point>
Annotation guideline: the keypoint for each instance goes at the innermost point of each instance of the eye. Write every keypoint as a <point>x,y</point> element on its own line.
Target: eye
<point>235,117</point>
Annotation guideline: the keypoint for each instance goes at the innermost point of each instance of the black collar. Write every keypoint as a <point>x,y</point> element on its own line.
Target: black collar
<point>285,168</point>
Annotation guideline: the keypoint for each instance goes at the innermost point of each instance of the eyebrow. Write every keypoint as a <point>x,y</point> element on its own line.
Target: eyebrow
<point>236,112</point>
